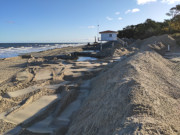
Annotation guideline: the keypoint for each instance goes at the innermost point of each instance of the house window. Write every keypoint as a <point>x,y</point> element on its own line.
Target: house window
<point>110,35</point>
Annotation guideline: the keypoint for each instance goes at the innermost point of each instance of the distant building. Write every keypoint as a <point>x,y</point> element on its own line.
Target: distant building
<point>108,35</point>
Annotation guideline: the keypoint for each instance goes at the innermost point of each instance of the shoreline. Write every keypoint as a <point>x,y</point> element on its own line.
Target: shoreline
<point>34,49</point>
<point>10,66</point>
<point>45,52</point>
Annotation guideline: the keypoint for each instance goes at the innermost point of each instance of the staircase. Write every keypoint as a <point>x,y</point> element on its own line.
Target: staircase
<point>124,44</point>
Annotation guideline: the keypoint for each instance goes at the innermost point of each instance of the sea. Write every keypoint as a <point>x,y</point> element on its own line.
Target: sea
<point>15,49</point>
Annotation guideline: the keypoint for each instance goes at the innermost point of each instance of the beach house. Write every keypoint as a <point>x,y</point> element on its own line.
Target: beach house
<point>108,35</point>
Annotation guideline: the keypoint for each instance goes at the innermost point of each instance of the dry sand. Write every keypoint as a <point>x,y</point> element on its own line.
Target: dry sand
<point>36,90</point>
<point>135,91</point>
<point>10,66</point>
<point>139,95</point>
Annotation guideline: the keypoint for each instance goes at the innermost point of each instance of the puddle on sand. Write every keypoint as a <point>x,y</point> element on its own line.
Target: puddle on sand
<point>86,58</point>
<point>91,51</point>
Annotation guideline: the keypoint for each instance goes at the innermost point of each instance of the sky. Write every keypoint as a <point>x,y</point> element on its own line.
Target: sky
<point>74,20</point>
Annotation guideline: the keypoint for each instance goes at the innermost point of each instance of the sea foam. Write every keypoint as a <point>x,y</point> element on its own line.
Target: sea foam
<point>18,50</point>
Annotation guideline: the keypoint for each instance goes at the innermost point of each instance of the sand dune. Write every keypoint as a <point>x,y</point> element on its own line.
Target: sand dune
<point>136,90</point>
<point>140,95</point>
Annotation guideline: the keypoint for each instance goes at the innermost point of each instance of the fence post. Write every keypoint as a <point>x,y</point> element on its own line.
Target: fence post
<point>168,48</point>
<point>112,44</point>
<point>101,47</point>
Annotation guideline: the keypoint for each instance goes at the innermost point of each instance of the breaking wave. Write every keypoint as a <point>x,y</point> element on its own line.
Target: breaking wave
<point>7,51</point>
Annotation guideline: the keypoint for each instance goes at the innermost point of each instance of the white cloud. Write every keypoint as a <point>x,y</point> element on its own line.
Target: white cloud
<point>132,11</point>
<point>117,13</point>
<point>128,11</point>
<point>91,27</point>
<point>142,2</point>
<point>120,18</point>
<point>109,18</point>
<point>135,10</point>
<point>170,1</point>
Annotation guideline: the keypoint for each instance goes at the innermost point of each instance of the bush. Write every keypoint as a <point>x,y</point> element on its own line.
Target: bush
<point>176,36</point>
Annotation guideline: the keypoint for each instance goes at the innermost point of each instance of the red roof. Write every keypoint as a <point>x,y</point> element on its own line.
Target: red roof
<point>108,31</point>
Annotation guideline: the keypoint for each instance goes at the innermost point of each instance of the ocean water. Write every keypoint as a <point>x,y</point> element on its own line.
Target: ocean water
<point>15,49</point>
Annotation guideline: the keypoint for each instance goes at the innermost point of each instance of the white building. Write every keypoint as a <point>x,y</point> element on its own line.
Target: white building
<point>108,35</point>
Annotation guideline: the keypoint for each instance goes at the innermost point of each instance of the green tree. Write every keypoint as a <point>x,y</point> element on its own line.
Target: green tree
<point>152,28</point>
<point>174,24</point>
<point>174,11</point>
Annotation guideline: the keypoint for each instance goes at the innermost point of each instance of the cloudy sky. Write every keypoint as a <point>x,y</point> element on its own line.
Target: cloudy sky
<point>73,20</point>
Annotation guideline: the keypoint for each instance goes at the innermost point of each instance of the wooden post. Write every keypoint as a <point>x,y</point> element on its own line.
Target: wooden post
<point>101,46</point>
<point>112,44</point>
<point>168,48</point>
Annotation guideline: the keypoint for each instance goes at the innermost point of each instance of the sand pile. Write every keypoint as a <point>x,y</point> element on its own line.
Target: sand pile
<point>158,43</point>
<point>120,52</point>
<point>124,51</point>
<point>139,95</point>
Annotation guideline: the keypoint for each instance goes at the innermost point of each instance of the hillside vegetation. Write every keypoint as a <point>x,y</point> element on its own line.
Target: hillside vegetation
<point>176,36</point>
<point>152,28</point>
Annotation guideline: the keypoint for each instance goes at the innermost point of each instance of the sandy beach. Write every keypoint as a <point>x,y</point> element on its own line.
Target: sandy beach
<point>129,90</point>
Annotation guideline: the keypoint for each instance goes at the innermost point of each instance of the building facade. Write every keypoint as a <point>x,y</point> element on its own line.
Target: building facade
<point>108,35</point>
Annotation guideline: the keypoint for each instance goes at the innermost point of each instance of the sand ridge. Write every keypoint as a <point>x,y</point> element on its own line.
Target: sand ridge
<point>139,95</point>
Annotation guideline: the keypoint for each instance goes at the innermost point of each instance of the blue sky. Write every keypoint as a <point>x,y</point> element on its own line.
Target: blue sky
<point>73,20</point>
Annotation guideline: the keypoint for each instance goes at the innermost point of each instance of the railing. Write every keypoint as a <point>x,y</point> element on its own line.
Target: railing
<point>124,44</point>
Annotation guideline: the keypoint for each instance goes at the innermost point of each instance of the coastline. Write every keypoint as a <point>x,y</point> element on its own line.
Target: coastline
<point>8,50</point>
